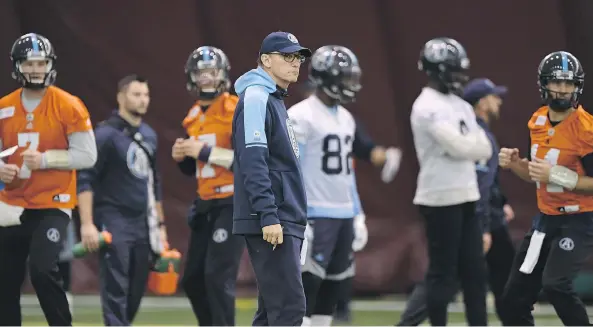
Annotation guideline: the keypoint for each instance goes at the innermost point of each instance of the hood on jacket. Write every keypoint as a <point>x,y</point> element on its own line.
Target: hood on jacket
<point>254,77</point>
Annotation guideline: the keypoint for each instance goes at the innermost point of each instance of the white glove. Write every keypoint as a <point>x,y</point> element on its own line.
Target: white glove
<point>306,242</point>
<point>361,234</point>
<point>309,233</point>
<point>393,158</point>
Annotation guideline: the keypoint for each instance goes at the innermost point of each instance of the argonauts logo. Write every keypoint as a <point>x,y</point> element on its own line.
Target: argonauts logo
<point>292,137</point>
<point>137,160</point>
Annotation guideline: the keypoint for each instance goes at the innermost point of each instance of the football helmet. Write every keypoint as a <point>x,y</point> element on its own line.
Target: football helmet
<point>560,66</point>
<point>445,61</point>
<point>335,70</point>
<point>208,85</point>
<point>33,47</point>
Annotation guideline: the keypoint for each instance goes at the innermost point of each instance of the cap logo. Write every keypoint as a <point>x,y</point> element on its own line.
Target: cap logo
<point>292,38</point>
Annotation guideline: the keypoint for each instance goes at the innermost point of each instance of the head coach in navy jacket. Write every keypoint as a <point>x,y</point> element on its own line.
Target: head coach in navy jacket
<point>269,200</point>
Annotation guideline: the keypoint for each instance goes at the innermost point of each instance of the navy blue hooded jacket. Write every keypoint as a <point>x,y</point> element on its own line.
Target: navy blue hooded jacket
<point>489,207</point>
<point>268,181</point>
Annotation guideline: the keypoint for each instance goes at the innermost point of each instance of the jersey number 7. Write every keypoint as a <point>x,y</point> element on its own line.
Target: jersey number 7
<point>30,141</point>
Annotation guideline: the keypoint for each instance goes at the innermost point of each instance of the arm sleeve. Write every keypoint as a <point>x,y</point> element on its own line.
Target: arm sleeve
<point>363,144</point>
<point>87,177</point>
<point>252,155</point>
<point>473,145</point>
<point>82,150</point>
<point>188,166</point>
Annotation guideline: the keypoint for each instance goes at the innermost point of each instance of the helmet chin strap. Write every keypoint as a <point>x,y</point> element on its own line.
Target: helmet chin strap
<point>333,98</point>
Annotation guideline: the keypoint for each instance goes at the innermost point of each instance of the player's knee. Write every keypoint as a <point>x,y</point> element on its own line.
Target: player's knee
<point>39,272</point>
<point>218,277</point>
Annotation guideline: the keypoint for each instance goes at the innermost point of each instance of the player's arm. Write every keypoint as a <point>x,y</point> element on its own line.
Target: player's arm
<point>569,179</point>
<point>88,177</point>
<point>82,148</point>
<point>216,156</point>
<point>473,145</point>
<point>365,148</point>
<point>81,153</point>
<point>252,155</point>
<point>521,166</point>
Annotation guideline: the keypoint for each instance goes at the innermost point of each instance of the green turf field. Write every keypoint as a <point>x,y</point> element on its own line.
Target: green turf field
<point>176,311</point>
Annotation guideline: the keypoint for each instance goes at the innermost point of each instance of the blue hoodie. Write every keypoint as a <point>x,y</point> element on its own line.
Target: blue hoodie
<point>268,181</point>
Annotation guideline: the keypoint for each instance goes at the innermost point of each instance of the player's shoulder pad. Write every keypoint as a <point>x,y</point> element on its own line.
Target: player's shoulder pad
<point>10,99</point>
<point>192,115</point>
<point>300,110</point>
<point>538,119</point>
<point>585,118</point>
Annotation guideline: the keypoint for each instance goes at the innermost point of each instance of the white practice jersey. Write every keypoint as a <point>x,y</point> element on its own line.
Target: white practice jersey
<point>325,136</point>
<point>448,142</point>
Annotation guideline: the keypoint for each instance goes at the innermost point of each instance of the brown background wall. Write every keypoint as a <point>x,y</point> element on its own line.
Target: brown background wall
<point>98,42</point>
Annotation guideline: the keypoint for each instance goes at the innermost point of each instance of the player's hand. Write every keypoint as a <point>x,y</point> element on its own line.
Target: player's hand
<point>509,213</point>
<point>8,172</point>
<point>32,159</point>
<point>273,234</point>
<point>192,148</point>
<point>393,158</point>
<point>177,152</point>
<point>378,156</point>
<point>487,241</point>
<point>507,157</point>
<point>89,236</point>
<point>539,170</point>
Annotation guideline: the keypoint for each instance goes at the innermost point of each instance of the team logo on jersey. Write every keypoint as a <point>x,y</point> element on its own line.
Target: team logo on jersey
<point>292,137</point>
<point>137,161</point>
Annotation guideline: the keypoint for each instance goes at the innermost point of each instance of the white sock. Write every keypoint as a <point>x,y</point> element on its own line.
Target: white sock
<point>319,320</point>
<point>306,322</point>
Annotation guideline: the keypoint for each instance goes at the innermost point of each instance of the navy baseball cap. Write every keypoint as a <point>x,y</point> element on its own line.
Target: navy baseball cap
<point>478,88</point>
<point>283,42</point>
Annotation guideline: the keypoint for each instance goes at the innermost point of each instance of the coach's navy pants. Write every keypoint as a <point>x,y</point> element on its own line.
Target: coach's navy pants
<point>124,269</point>
<point>281,298</point>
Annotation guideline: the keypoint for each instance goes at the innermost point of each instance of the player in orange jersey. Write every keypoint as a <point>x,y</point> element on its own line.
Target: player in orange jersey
<point>51,133</point>
<point>214,252</point>
<point>560,163</point>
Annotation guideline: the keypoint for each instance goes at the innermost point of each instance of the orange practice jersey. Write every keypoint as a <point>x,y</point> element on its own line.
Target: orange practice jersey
<point>46,128</point>
<point>564,144</point>
<point>214,128</point>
